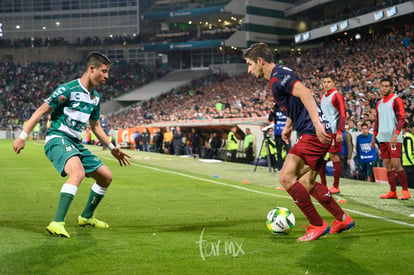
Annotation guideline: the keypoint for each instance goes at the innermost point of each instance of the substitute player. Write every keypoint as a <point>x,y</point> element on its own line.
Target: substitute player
<point>306,156</point>
<point>387,129</point>
<point>72,106</point>
<point>333,107</point>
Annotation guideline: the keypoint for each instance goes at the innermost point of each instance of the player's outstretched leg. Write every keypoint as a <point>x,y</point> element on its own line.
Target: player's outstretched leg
<point>318,227</point>
<point>293,171</point>
<point>342,220</point>
<point>103,177</point>
<point>87,217</point>
<point>57,226</point>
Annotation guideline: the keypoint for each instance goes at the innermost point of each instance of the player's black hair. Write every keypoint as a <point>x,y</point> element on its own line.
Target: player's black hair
<point>364,124</point>
<point>97,59</point>
<point>259,50</point>
<point>387,79</point>
<point>329,75</point>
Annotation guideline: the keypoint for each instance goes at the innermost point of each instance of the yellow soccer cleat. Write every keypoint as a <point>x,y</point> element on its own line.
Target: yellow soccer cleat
<point>92,221</point>
<point>57,229</point>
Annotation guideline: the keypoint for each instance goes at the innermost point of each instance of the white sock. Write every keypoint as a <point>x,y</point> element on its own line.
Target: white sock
<point>69,188</point>
<point>98,189</point>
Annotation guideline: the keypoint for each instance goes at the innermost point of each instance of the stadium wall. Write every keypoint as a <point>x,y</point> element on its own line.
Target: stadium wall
<point>264,21</point>
<point>231,69</point>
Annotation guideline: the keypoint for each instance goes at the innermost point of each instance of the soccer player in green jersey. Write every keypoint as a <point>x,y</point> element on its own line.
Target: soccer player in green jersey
<point>72,105</point>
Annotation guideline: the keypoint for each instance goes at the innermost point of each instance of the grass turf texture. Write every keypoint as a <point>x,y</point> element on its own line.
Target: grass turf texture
<point>162,206</point>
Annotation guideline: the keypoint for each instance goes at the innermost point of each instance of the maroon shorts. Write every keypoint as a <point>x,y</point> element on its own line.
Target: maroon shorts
<point>388,151</point>
<point>336,147</point>
<point>311,150</point>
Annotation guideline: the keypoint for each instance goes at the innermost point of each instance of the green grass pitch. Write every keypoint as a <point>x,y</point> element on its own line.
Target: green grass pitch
<point>176,215</point>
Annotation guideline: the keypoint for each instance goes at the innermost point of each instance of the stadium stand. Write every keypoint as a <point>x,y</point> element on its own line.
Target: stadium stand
<point>24,87</point>
<point>174,36</point>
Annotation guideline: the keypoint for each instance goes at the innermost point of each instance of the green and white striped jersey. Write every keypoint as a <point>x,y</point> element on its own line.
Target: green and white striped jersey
<point>73,106</point>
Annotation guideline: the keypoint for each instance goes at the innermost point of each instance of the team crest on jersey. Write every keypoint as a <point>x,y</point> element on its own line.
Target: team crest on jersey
<point>62,98</point>
<point>68,148</point>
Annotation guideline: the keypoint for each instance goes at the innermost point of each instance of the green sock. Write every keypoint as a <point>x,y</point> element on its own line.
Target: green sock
<point>91,204</point>
<point>63,206</point>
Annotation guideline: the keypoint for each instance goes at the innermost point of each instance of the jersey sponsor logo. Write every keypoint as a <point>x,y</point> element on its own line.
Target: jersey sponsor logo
<point>62,98</point>
<point>84,97</point>
<point>75,105</point>
<point>68,148</point>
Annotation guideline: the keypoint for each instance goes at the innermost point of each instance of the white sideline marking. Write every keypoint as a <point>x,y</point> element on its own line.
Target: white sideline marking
<point>261,192</point>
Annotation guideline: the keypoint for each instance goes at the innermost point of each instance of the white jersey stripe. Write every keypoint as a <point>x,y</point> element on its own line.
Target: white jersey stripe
<point>83,97</point>
<point>70,132</point>
<point>76,115</point>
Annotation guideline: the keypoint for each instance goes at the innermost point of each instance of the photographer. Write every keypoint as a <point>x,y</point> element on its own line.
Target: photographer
<point>248,145</point>
<point>282,148</point>
<point>270,146</point>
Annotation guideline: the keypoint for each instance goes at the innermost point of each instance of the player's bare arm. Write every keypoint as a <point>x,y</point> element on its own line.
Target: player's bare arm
<point>393,140</point>
<point>305,95</point>
<point>340,106</point>
<point>287,131</point>
<point>115,151</point>
<point>20,142</point>
<point>373,141</point>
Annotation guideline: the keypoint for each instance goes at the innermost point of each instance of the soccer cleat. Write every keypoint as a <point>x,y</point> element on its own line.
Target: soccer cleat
<point>405,195</point>
<point>57,229</point>
<point>334,190</point>
<point>314,232</point>
<point>390,195</point>
<point>92,221</point>
<point>345,225</point>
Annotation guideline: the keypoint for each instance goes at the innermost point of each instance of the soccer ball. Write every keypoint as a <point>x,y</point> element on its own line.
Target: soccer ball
<point>280,220</point>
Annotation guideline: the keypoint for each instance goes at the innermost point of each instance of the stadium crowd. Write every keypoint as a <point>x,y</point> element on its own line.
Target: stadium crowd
<point>24,87</point>
<point>357,64</point>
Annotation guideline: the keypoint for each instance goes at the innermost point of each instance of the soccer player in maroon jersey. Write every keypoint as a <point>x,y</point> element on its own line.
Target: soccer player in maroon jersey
<point>333,107</point>
<point>388,130</point>
<point>306,156</point>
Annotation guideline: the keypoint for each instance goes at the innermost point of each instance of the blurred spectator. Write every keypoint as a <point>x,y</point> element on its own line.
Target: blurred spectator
<point>104,124</point>
<point>214,146</point>
<point>351,126</point>
<point>168,138</point>
<point>178,141</point>
<point>366,155</point>
<point>248,145</point>
<point>268,150</point>
<point>136,140</point>
<point>408,154</point>
<point>232,143</point>
<point>157,141</point>
<point>145,140</point>
<point>346,155</point>
<point>281,147</point>
<point>195,143</point>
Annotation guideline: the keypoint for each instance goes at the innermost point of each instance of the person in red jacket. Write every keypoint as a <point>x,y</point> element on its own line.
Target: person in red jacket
<point>388,130</point>
<point>333,107</point>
